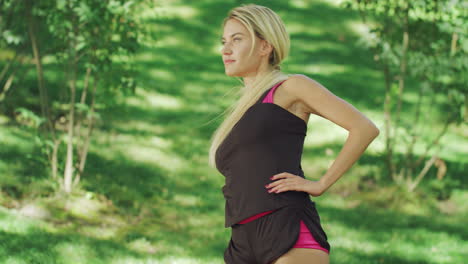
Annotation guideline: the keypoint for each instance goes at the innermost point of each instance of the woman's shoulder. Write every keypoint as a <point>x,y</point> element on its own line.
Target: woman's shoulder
<point>298,85</point>
<point>295,78</point>
<point>296,89</point>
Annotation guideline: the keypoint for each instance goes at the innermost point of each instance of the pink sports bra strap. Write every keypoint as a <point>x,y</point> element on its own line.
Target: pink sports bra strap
<point>269,97</point>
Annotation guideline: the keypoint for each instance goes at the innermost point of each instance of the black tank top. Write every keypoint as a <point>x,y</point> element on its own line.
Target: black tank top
<point>267,140</point>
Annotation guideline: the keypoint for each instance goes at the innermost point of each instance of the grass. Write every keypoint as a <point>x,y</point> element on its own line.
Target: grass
<point>148,195</point>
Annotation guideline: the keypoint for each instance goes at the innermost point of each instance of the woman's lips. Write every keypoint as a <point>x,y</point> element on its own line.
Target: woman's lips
<point>228,61</point>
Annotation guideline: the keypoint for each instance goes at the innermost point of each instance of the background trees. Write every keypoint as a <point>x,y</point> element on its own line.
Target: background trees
<point>421,48</point>
<point>79,51</point>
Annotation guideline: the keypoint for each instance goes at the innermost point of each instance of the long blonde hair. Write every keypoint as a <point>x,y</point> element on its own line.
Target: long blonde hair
<point>262,22</point>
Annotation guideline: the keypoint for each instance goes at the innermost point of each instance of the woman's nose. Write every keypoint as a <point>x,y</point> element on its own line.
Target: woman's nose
<point>226,49</point>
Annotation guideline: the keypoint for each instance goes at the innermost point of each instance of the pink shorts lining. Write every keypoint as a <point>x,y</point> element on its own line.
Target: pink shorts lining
<point>306,240</point>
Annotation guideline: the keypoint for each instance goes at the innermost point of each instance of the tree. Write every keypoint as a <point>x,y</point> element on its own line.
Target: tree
<point>91,41</point>
<point>423,44</point>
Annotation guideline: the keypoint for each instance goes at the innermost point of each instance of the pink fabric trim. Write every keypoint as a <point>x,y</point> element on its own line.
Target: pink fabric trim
<point>306,240</point>
<point>269,97</point>
<point>255,217</point>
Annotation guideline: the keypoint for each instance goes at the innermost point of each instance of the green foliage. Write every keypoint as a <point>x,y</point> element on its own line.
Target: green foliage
<point>84,49</point>
<point>442,189</point>
<point>101,35</point>
<point>28,118</point>
<point>421,47</point>
<point>438,44</point>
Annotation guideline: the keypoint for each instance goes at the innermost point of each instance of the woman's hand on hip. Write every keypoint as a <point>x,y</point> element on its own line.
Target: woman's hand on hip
<point>286,181</point>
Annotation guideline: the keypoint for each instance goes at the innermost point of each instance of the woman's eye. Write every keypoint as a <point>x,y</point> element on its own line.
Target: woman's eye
<point>222,42</point>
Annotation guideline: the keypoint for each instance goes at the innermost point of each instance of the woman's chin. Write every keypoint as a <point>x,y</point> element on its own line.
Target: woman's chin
<point>231,74</point>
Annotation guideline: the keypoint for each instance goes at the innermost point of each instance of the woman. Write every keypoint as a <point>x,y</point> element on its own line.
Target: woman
<point>258,147</point>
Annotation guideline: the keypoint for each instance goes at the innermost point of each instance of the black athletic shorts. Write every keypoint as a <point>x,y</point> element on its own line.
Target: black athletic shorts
<point>265,239</point>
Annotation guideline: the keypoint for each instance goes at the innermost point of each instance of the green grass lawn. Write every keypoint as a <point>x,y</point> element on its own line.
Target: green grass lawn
<point>150,196</point>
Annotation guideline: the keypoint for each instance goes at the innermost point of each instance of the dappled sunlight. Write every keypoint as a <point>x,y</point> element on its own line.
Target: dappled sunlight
<point>316,46</point>
<point>342,236</point>
<point>142,245</point>
<point>12,222</point>
<point>150,150</point>
<point>219,79</point>
<point>302,4</point>
<point>84,208</point>
<point>162,75</point>
<point>405,243</point>
<point>128,260</point>
<point>362,30</point>
<point>382,232</point>
<point>3,121</point>
<point>152,154</point>
<point>140,126</point>
<point>173,41</point>
<point>103,231</point>
<point>322,132</point>
<point>15,260</point>
<point>166,10</point>
<point>187,199</point>
<point>154,100</point>
<point>301,27</point>
<point>75,252</point>
<point>456,145</point>
<point>325,69</point>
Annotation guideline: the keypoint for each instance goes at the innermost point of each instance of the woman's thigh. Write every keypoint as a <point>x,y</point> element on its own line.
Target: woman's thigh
<point>303,256</point>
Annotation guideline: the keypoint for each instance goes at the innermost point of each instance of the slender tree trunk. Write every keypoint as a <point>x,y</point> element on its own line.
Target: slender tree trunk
<point>9,81</point>
<point>54,159</point>
<point>401,84</point>
<point>409,157</point>
<point>40,74</point>
<point>7,86</point>
<point>434,143</point>
<point>453,46</point>
<point>85,87</point>
<point>423,172</point>
<point>80,140</point>
<point>388,123</point>
<point>87,140</point>
<point>69,167</point>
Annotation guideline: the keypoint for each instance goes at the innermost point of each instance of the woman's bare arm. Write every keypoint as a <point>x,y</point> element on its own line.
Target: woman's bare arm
<point>321,101</point>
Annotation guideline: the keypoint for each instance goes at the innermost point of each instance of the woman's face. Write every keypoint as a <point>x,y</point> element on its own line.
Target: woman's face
<point>236,43</point>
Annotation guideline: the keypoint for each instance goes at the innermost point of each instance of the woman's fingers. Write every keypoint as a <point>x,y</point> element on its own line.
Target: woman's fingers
<point>284,182</point>
<point>276,185</point>
<point>282,175</point>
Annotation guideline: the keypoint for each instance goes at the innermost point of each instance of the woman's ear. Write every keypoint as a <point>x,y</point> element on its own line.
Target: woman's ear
<point>266,48</point>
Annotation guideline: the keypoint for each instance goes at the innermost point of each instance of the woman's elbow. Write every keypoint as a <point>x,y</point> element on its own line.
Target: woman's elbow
<point>367,129</point>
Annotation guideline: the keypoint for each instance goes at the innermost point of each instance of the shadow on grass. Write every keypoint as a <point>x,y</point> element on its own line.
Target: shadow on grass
<point>38,246</point>
<point>394,236</point>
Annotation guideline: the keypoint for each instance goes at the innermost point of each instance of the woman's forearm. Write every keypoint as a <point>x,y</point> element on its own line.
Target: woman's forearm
<point>357,142</point>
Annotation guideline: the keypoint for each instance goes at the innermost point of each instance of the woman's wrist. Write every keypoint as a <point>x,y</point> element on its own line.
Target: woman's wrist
<point>315,188</point>
<point>323,185</point>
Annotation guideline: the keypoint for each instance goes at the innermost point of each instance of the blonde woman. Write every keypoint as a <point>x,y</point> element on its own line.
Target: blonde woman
<point>259,145</point>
